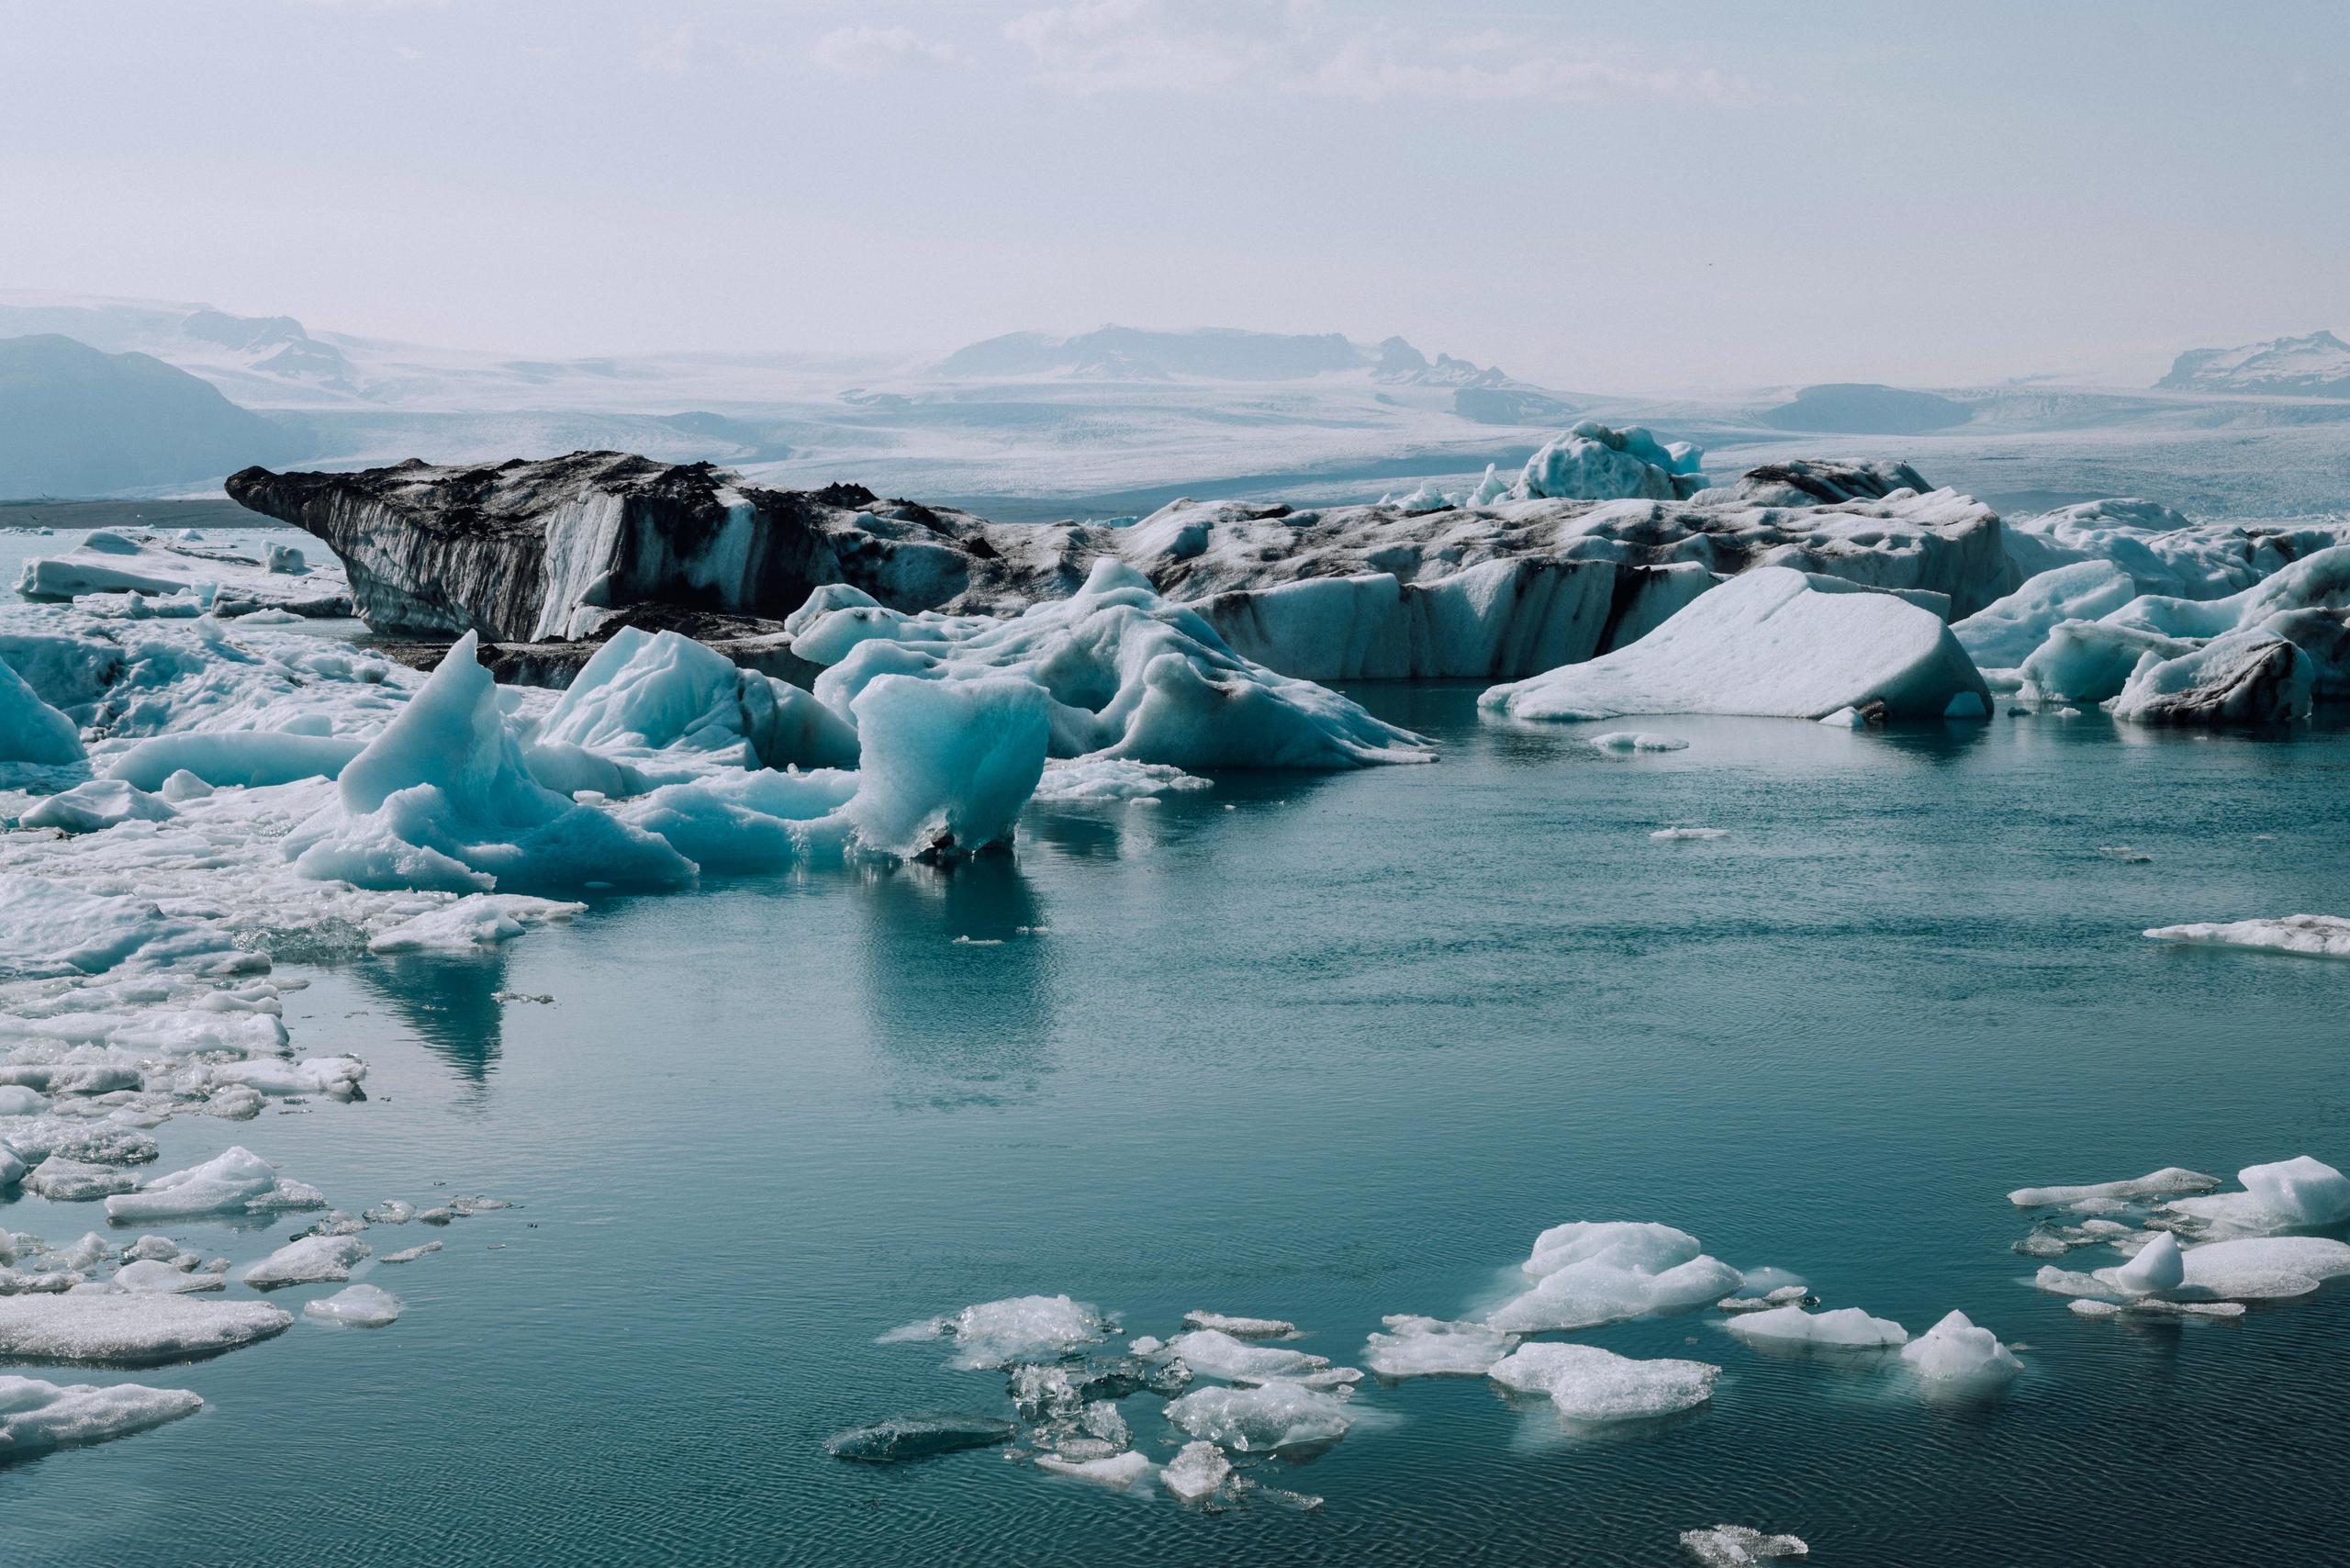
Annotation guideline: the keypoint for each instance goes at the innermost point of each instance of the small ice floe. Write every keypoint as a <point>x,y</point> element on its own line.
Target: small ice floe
<point>2309,936</point>
<point>473,923</point>
<point>1265,1419</point>
<point>1218,1354</point>
<point>1847,1329</point>
<point>409,1255</point>
<point>237,1180</point>
<point>1681,835</point>
<point>2253,1268</point>
<point>978,941</point>
<point>1956,1357</point>
<point>361,1306</point>
<point>2154,1307</point>
<point>1086,779</point>
<point>1146,1344</point>
<point>391,1211</point>
<point>1018,1328</point>
<point>62,1180</point>
<point>2297,1192</point>
<point>1198,1472</point>
<point>919,1436</point>
<point>36,1416</point>
<point>2169,1182</point>
<point>1589,1272</point>
<point>2126,855</point>
<point>2051,1240</point>
<point>1735,1546</point>
<point>1637,740</point>
<point>314,1259</point>
<point>1065,1395</point>
<point>1430,1347</point>
<point>1119,1470</point>
<point>1587,1384</point>
<point>153,1274</point>
<point>465,1204</point>
<point>1845,718</point>
<point>130,1328</point>
<point>1240,1328</point>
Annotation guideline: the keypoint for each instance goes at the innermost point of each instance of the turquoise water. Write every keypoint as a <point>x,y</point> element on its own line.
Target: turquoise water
<point>1337,1052</point>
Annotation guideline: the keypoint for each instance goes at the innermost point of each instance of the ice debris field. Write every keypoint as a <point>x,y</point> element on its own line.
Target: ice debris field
<point>193,777</point>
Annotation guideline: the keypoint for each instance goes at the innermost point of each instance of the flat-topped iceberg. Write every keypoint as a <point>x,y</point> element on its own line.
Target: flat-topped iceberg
<point>2310,935</point>
<point>1846,1329</point>
<point>131,1328</point>
<point>1588,1384</point>
<point>36,1416</point>
<point>1771,643</point>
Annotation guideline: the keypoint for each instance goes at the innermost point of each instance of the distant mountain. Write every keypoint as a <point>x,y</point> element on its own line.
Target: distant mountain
<point>1209,354</point>
<point>257,355</point>
<point>1860,408</point>
<point>2314,366</point>
<point>77,421</point>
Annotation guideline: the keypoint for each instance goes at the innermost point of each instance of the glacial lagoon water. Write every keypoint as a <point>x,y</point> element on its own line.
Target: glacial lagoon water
<point>1322,1048</point>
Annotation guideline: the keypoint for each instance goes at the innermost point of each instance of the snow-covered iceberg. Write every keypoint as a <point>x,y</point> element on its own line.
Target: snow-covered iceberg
<point>1771,643</point>
<point>1590,1384</point>
<point>112,562</point>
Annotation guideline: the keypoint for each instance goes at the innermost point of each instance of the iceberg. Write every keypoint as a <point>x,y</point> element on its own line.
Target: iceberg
<point>644,692</point>
<point>1594,1272</point>
<point>96,805</point>
<point>1771,643</point>
<point>1738,1546</point>
<point>1262,1420</point>
<point>2158,1266</point>
<point>472,924</point>
<point>2301,1191</point>
<point>1018,1328</point>
<point>947,764</point>
<point>1847,1329</point>
<point>1219,1354</point>
<point>235,1181</point>
<point>249,758</point>
<point>1199,1470</point>
<point>1595,462</point>
<point>441,800</point>
<point>1120,1470</point>
<point>1958,1356</point>
<point>30,730</point>
<point>1588,1384</point>
<point>314,1259</point>
<point>36,1416</point>
<point>2169,1182</point>
<point>2247,676</point>
<point>2003,636</point>
<point>2310,935</point>
<point>359,1306</point>
<point>111,562</point>
<point>131,1329</point>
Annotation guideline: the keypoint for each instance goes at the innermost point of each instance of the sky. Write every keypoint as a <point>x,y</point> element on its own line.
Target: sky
<point>1670,196</point>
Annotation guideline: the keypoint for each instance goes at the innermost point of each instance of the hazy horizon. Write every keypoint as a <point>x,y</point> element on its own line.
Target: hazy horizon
<point>1694,197</point>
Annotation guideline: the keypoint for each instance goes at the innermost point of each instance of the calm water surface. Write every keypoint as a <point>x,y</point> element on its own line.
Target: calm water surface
<point>1336,1052</point>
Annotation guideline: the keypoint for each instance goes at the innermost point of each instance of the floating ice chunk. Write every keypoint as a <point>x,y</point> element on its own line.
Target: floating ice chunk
<point>36,1416</point>
<point>1019,1328</point>
<point>1592,1273</point>
<point>1736,1546</point>
<point>62,1180</point>
<point>131,1328</point>
<point>2247,676</point>
<point>391,1211</point>
<point>947,764</point>
<point>218,758</point>
<point>1148,1345</point>
<point>2301,1191</point>
<point>1091,778</point>
<point>1262,1419</point>
<point>441,800</point>
<point>2169,1182</point>
<point>152,1274</point>
<point>2311,936</point>
<point>2158,1266</point>
<point>1588,1384</point>
<point>1425,1347</point>
<point>98,1143</point>
<point>1960,1357</point>
<point>30,730</point>
<point>1592,461</point>
<point>1240,1328</point>
<point>2264,1267</point>
<point>314,1259</point>
<point>235,1181</point>
<point>2004,634</point>
<point>653,691</point>
<point>1785,1295</point>
<point>1636,740</point>
<point>472,924</point>
<point>1845,718</point>
<point>1121,1470</point>
<point>1681,835</point>
<point>361,1306</point>
<point>1771,642</point>
<point>411,1254</point>
<point>1846,1329</point>
<point>1219,1354</point>
<point>336,1078</point>
<point>1130,674</point>
<point>919,1436</point>
<point>1198,1469</point>
<point>95,805</point>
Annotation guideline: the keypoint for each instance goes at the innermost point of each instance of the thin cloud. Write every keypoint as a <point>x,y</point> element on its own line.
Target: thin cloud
<point>876,52</point>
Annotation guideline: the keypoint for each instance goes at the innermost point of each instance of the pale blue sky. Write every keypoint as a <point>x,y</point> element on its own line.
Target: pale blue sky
<point>1600,195</point>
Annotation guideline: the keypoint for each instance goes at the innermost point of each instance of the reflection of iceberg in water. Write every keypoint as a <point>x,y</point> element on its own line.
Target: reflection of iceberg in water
<point>977,1011</point>
<point>451,1003</point>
